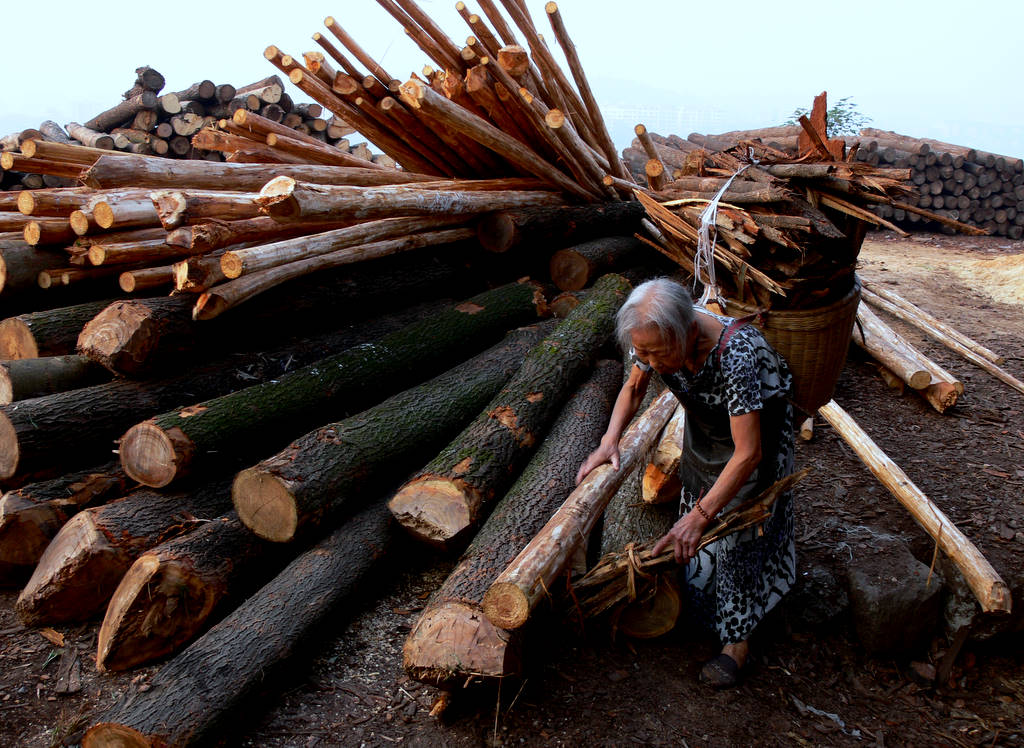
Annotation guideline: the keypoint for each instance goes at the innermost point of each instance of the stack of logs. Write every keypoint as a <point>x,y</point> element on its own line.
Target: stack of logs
<point>985,190</point>
<point>150,123</point>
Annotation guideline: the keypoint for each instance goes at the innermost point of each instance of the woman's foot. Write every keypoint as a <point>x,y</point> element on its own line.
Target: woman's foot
<point>723,671</point>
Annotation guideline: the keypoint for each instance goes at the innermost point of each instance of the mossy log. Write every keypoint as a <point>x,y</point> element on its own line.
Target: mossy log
<point>173,590</point>
<point>34,433</point>
<point>316,476</point>
<point>262,418</point>
<point>557,227</point>
<point>442,502</point>
<point>84,563</point>
<point>25,378</point>
<point>31,515</point>
<point>452,640</point>
<point>190,697</point>
<point>576,267</point>
<point>53,332</point>
<point>139,336</point>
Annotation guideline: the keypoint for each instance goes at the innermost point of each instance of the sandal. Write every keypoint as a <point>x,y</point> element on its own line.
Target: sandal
<point>720,672</point>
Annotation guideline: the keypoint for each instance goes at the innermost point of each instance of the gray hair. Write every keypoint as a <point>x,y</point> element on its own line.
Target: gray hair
<point>660,303</point>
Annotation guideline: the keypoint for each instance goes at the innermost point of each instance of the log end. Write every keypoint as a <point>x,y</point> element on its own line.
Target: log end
<point>231,265</point>
<point>265,505</point>
<point>652,616</point>
<point>10,453</point>
<point>79,222</point>
<point>74,578</point>
<point>434,510</point>
<point>33,233</point>
<point>26,528</point>
<point>103,214</point>
<point>120,337</point>
<point>506,606</point>
<point>152,456</point>
<point>113,735</point>
<point>660,487</point>
<point>452,642</point>
<point>17,340</point>
<point>157,607</point>
<point>26,202</point>
<point>277,200</point>
<point>6,386</point>
<point>569,270</point>
<point>496,232</point>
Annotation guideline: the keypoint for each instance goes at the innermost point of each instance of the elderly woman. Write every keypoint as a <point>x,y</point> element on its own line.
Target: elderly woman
<point>738,441</point>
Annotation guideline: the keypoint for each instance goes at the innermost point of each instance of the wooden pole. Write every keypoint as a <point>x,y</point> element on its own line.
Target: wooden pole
<point>989,588</point>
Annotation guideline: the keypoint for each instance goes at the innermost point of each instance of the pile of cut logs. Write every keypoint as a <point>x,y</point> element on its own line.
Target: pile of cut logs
<point>985,190</point>
<point>150,123</point>
<point>261,474</point>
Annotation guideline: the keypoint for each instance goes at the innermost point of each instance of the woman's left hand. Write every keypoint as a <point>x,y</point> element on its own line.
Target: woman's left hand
<point>684,537</point>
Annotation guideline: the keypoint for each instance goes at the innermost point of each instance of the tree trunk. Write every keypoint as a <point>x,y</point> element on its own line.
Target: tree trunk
<point>218,673</point>
<point>452,640</point>
<point>90,137</point>
<point>167,596</point>
<point>263,417</point>
<point>442,502</point>
<point>117,171</point>
<point>31,515</point>
<point>175,208</point>
<point>524,583</point>
<point>48,333</point>
<point>576,267</point>
<point>557,227</point>
<point>984,581</point>
<point>22,379</point>
<point>83,564</point>
<point>34,433</point>
<point>285,199</point>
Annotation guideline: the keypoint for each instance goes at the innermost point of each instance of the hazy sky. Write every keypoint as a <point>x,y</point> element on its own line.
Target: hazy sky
<point>934,69</point>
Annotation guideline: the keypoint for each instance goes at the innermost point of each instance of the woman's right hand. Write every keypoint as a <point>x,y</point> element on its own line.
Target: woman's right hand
<point>606,452</point>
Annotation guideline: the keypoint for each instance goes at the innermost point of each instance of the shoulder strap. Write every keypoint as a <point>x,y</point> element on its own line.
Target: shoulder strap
<point>731,330</point>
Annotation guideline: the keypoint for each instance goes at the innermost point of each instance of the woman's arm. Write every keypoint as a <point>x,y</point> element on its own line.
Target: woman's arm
<point>626,406</point>
<point>686,533</point>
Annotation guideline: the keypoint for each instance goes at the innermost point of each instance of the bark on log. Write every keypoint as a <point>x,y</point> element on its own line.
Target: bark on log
<point>191,695</point>
<point>33,435</point>
<point>22,379</point>
<point>574,268</point>
<point>53,332</point>
<point>31,515</point>
<point>661,483</point>
<point>989,588</point>
<point>321,474</point>
<point>83,564</point>
<point>557,227</point>
<point>172,591</point>
<point>115,172</point>
<point>285,199</point>
<point>214,234</point>
<point>157,451</point>
<point>89,137</point>
<point>173,208</point>
<point>21,263</point>
<point>523,584</point>
<point>452,640</point>
<point>145,279</point>
<point>452,494</point>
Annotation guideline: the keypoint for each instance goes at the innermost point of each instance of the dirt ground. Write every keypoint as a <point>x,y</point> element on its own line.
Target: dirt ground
<point>809,681</point>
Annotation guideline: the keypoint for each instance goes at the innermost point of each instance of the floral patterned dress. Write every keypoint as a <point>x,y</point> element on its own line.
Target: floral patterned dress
<point>735,581</point>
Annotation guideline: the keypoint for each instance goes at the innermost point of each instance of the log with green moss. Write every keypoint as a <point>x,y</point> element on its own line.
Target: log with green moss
<point>84,563</point>
<point>172,591</point>
<point>325,471</point>
<point>67,430</point>
<point>31,515</point>
<point>449,496</point>
<point>260,419</point>
<point>192,696</point>
<point>452,639</point>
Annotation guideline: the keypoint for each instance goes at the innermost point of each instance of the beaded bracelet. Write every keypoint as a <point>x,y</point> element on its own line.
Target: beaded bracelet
<point>700,509</point>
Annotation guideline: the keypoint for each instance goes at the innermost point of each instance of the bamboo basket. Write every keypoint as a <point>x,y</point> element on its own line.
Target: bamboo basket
<point>813,342</point>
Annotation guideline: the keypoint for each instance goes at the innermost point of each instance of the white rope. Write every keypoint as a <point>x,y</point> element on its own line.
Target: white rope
<point>707,236</point>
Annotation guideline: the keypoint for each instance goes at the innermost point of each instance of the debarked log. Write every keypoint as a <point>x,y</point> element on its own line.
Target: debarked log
<point>452,639</point>
<point>452,494</point>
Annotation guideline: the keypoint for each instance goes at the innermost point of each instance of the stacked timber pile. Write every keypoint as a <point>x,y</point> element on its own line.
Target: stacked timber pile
<point>149,122</point>
<point>955,182</point>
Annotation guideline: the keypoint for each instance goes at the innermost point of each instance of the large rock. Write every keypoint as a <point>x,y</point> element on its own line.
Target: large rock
<point>818,597</point>
<point>893,605</point>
